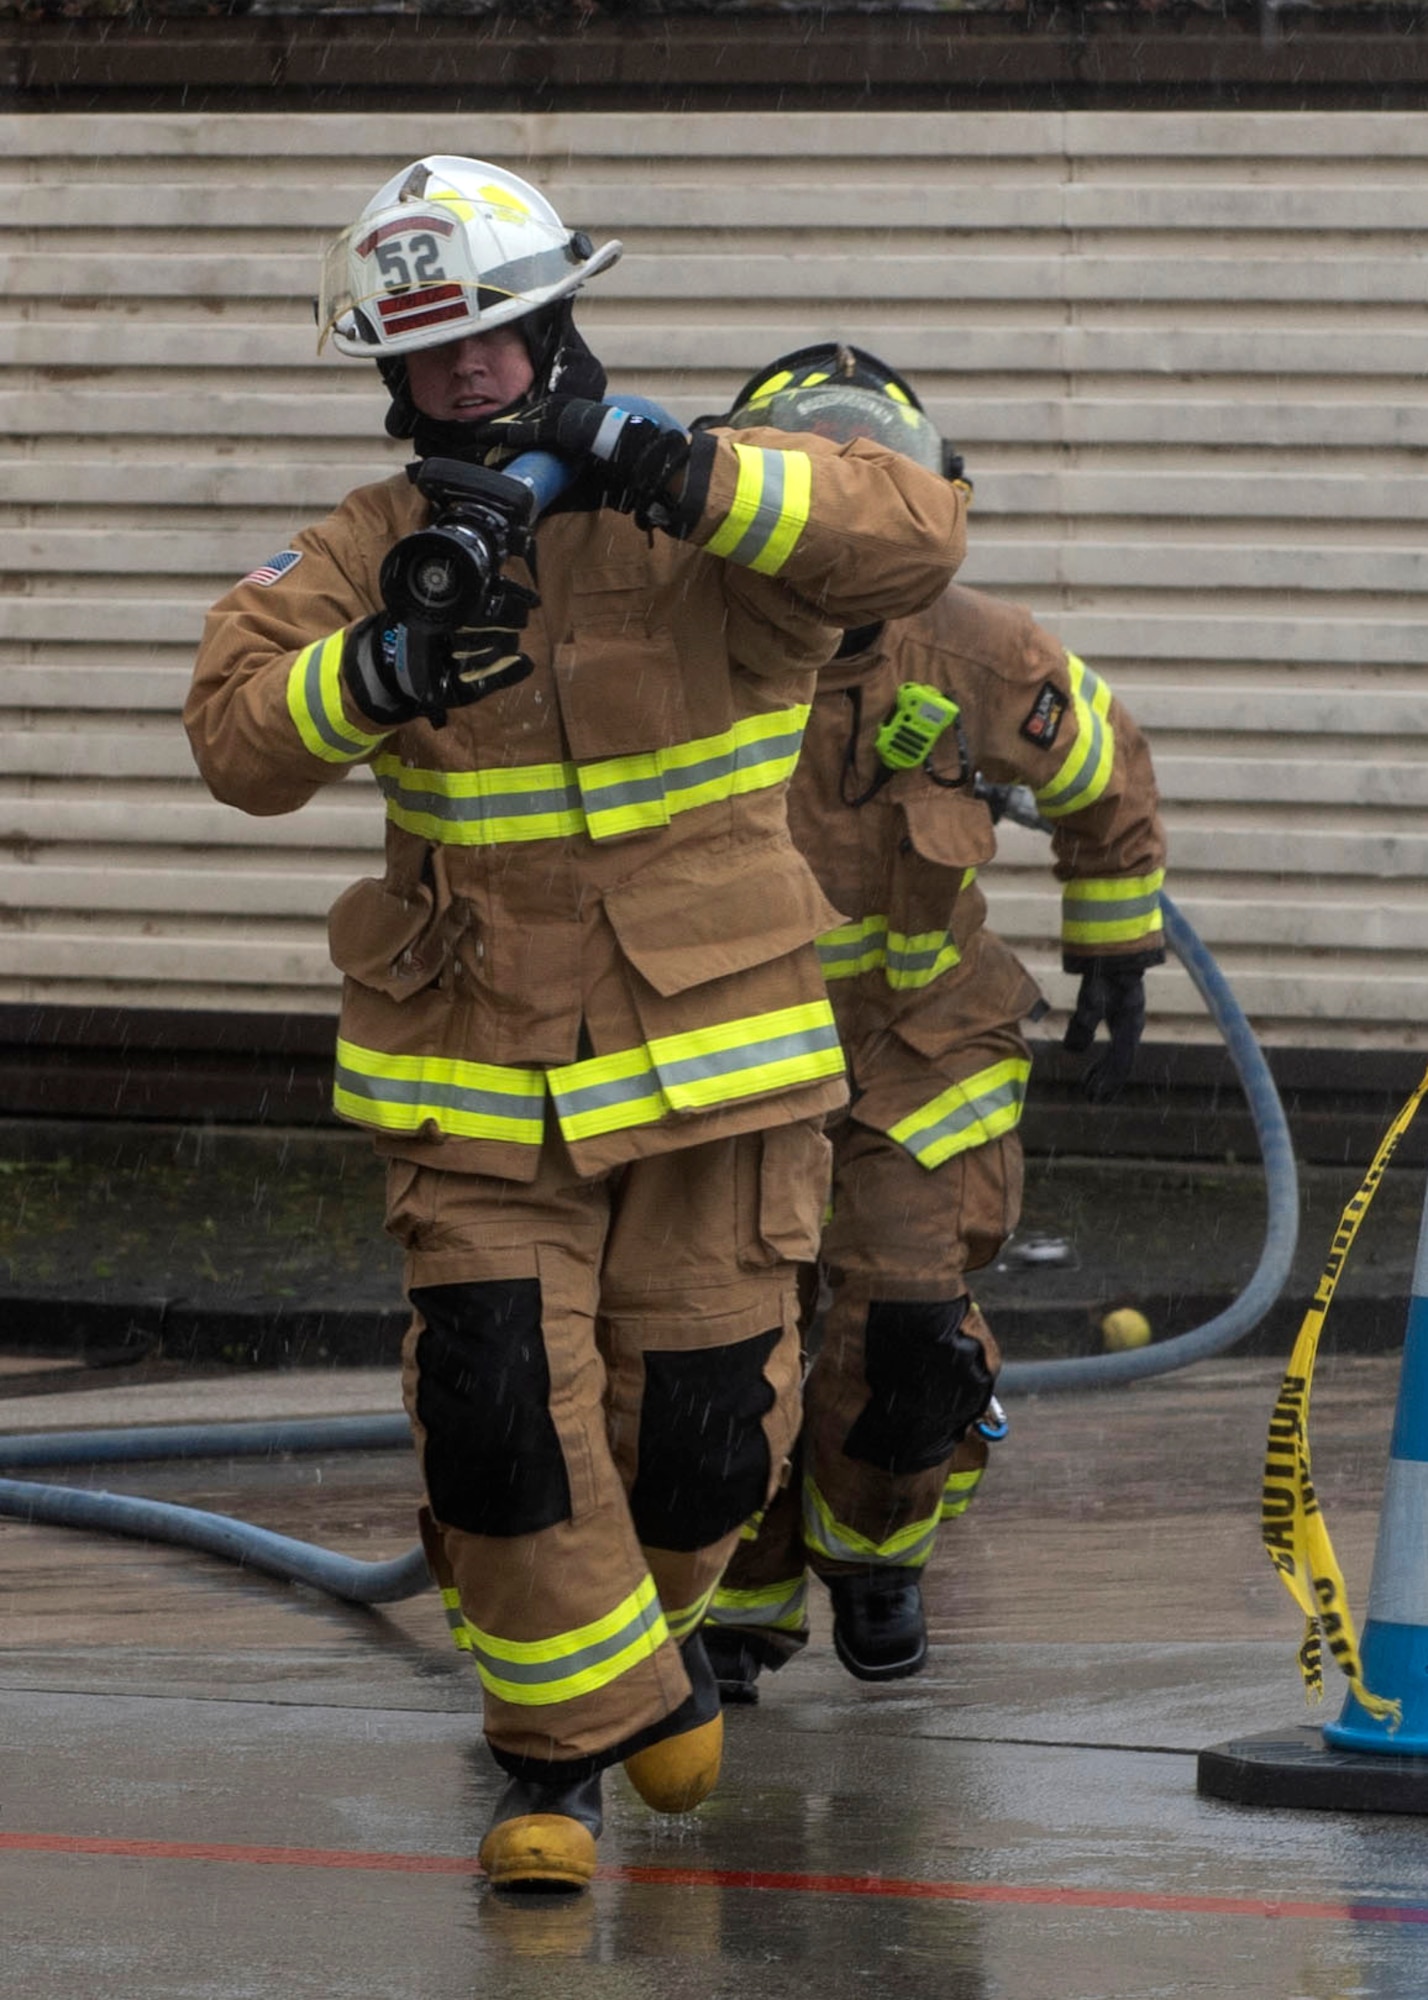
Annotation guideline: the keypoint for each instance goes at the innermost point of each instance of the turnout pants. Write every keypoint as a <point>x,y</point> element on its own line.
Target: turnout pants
<point>904,1366</point>
<point>602,1381</point>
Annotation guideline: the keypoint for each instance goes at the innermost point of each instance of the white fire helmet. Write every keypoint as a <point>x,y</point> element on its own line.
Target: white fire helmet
<point>448,247</point>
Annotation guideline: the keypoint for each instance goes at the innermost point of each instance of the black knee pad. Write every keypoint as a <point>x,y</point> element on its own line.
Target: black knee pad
<point>493,1463</point>
<point>704,1459</point>
<point>928,1379</point>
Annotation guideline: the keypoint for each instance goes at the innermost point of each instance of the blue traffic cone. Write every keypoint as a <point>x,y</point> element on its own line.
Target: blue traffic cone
<point>1394,1649</point>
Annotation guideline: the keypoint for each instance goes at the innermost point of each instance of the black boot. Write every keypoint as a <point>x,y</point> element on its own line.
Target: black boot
<point>736,1663</point>
<point>879,1632</point>
<point>542,1836</point>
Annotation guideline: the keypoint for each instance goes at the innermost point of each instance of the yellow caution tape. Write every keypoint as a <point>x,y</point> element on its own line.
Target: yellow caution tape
<point>1292,1527</point>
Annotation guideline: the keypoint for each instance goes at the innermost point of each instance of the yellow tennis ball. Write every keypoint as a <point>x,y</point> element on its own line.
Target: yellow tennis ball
<point>1125,1328</point>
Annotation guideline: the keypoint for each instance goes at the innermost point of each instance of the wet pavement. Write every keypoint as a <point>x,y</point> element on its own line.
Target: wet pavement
<point>216,1786</point>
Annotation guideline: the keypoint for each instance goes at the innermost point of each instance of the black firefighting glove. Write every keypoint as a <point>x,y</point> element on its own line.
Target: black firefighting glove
<point>1113,991</point>
<point>632,458</point>
<point>396,671</point>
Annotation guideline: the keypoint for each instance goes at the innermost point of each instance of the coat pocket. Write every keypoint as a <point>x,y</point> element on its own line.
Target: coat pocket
<point>683,925</point>
<point>620,687</point>
<point>397,943</point>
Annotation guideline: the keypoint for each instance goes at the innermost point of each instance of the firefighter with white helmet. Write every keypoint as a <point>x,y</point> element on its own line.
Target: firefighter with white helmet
<point>582,1013</point>
<point>914,717</point>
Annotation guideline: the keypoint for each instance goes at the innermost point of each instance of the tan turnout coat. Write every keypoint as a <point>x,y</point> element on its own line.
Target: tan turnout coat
<point>591,900</point>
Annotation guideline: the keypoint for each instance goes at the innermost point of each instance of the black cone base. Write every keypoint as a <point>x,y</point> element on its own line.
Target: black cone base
<point>1295,1767</point>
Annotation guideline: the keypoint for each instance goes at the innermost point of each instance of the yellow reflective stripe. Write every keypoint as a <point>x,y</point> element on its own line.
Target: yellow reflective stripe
<point>852,949</point>
<point>869,946</point>
<point>909,1548</point>
<point>456,1619</point>
<point>607,1094</point>
<point>778,1607</point>
<point>981,1108</point>
<point>797,498</point>
<point>1088,766</point>
<point>957,1493</point>
<point>1111,910</point>
<point>314,697</point>
<point>772,495</point>
<point>535,1673</point>
<point>737,1059</point>
<point>748,487</point>
<point>491,808</point>
<point>482,808</point>
<point>468,1100</point>
<point>683,1621</point>
<point>629,794</point>
<point>697,1070</point>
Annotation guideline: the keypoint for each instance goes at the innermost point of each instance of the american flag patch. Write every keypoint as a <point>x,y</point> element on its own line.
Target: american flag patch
<point>404,312</point>
<point>274,567</point>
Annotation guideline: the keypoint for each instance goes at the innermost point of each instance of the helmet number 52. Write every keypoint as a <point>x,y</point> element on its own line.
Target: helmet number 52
<point>424,267</point>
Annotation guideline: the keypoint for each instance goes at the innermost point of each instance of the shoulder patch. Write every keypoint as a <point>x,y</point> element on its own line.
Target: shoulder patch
<point>1044,718</point>
<point>274,567</point>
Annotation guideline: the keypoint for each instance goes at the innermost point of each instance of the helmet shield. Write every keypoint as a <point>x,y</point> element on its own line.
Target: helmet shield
<point>449,248</point>
<point>842,411</point>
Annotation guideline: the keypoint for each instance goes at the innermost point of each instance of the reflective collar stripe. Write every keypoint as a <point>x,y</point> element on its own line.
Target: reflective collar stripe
<point>909,1548</point>
<point>957,1493</point>
<point>469,1100</point>
<point>683,1621</point>
<point>1087,770</point>
<point>534,1673</point>
<point>777,1607</point>
<point>869,946</point>
<point>971,1113</point>
<point>698,1070</point>
<point>315,704</point>
<point>770,510</point>
<point>490,808</point>
<point>1111,911</point>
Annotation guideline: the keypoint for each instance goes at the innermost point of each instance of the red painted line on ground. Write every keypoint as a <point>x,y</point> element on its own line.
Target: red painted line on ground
<point>1024,1894</point>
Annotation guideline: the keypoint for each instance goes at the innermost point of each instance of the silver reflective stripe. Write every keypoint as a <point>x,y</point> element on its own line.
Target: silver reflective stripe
<point>909,965</point>
<point>428,1094</point>
<point>681,1072</point>
<point>780,1607</point>
<point>1090,748</point>
<point>578,1100</point>
<point>768,513</point>
<point>486,816</point>
<point>589,1659</point>
<point>1083,909</point>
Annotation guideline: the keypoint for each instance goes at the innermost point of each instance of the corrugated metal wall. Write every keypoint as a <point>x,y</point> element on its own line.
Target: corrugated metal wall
<point>1183,354</point>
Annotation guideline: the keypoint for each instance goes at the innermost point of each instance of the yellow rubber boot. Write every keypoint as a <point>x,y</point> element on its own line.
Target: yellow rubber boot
<point>542,1836</point>
<point>673,1775</point>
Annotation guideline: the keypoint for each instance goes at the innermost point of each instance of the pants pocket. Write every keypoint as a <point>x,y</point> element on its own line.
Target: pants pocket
<point>795,1170</point>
